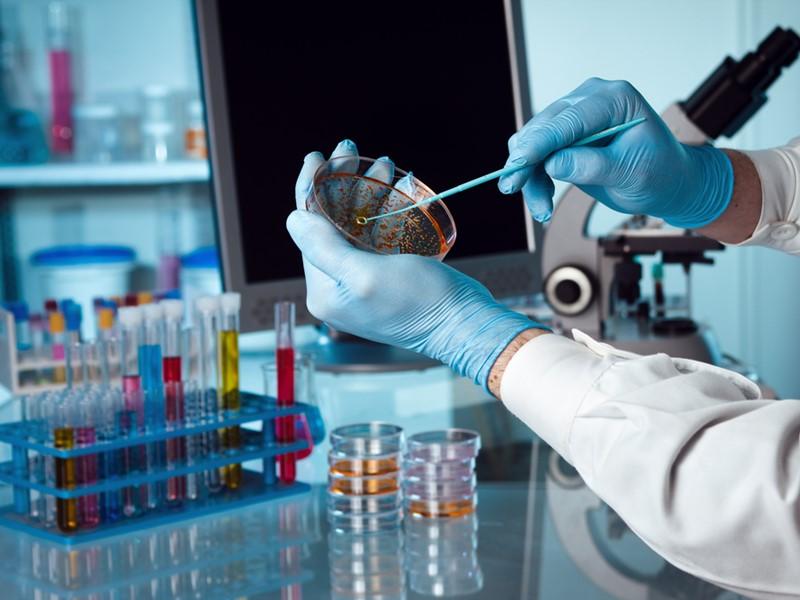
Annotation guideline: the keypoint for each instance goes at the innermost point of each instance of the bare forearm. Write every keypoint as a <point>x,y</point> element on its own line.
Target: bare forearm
<point>739,220</point>
<point>499,367</point>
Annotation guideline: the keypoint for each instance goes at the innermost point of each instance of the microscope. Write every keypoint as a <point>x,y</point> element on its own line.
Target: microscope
<point>593,284</point>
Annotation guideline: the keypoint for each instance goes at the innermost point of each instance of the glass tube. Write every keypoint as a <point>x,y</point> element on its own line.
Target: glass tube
<point>207,308</point>
<point>284,357</point>
<point>175,447</point>
<point>64,439</point>
<point>230,303</point>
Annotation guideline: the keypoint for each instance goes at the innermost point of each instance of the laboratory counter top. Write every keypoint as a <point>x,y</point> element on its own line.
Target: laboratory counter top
<point>538,531</point>
<point>546,538</point>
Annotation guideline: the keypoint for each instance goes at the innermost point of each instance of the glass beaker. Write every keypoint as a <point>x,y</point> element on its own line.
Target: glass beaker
<point>347,190</point>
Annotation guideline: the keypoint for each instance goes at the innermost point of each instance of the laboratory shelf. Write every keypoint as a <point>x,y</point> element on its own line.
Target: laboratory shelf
<point>103,174</point>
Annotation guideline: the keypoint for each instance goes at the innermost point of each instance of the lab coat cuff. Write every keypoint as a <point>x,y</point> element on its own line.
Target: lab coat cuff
<point>545,383</point>
<point>779,223</point>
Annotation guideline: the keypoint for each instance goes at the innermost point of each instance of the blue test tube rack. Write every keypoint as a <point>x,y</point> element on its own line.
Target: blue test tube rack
<point>32,436</point>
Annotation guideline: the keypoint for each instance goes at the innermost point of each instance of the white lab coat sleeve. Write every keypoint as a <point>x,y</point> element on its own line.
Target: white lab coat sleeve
<point>692,459</point>
<point>779,224</point>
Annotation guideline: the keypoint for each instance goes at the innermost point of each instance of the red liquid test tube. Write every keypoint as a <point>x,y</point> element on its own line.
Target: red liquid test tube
<point>284,356</point>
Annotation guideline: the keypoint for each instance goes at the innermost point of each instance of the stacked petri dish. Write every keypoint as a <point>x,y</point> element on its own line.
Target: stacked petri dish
<point>441,556</point>
<point>439,473</point>
<point>364,468</point>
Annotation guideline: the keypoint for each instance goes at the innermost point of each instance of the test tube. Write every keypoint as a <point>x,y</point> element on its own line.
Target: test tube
<point>58,339</point>
<point>109,345</point>
<point>21,325</point>
<point>64,439</point>
<point>86,467</point>
<point>284,357</point>
<point>175,409</point>
<point>150,369</point>
<point>110,463</point>
<point>230,304</point>
<point>76,364</point>
<point>207,308</point>
<point>131,418</point>
<point>73,316</point>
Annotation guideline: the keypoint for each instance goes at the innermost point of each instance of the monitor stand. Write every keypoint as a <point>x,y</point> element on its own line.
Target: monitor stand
<point>339,352</point>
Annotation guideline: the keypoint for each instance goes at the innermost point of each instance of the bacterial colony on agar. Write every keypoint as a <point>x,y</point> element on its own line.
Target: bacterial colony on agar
<point>348,199</point>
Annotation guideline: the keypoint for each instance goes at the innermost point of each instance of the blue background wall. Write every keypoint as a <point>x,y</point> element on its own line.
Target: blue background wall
<point>665,48</point>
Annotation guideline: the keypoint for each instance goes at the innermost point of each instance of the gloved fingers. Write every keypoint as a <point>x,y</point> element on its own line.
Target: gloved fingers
<point>311,163</point>
<point>509,184</point>
<point>582,166</point>
<point>343,159</point>
<point>538,194</point>
<point>370,193</point>
<point>321,244</point>
<point>550,111</point>
<point>386,234</point>
<point>541,137</point>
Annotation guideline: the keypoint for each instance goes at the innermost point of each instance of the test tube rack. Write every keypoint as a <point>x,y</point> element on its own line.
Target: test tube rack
<point>28,437</point>
<point>19,370</point>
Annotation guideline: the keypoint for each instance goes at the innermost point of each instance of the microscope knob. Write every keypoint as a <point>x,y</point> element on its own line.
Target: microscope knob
<point>569,290</point>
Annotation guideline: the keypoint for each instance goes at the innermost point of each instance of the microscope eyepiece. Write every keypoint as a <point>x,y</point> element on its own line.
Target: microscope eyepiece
<point>735,91</point>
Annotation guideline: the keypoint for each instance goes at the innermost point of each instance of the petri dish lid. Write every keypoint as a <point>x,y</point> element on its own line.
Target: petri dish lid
<point>415,470</point>
<point>367,439</point>
<point>443,445</point>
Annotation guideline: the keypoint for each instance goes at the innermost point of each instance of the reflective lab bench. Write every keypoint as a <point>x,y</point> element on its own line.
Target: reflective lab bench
<point>539,532</point>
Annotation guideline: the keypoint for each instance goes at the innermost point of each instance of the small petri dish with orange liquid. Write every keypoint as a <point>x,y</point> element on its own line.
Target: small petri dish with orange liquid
<point>444,508</point>
<point>363,485</point>
<point>343,464</point>
<point>350,191</point>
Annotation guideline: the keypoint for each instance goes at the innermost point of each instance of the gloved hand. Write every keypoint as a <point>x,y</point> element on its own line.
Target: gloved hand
<point>643,170</point>
<point>410,301</point>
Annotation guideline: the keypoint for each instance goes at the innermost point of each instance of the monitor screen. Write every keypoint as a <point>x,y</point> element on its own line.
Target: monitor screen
<point>428,84</point>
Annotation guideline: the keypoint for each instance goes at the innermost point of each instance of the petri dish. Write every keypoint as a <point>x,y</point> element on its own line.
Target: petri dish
<point>457,584</point>
<point>443,445</point>
<point>365,523</point>
<point>445,508</point>
<point>344,464</point>
<point>356,544</point>
<point>366,439</point>
<point>373,564</point>
<point>356,505</point>
<point>361,486</point>
<point>414,470</point>
<point>440,490</point>
<point>347,190</point>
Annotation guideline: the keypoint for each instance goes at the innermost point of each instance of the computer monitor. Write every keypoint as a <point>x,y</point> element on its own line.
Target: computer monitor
<point>437,86</point>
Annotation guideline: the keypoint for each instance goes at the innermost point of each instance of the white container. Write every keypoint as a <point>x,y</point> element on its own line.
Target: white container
<point>83,273</point>
<point>200,276</point>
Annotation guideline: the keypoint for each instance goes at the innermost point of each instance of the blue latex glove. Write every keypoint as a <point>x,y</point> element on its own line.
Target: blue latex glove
<point>410,301</point>
<point>643,170</point>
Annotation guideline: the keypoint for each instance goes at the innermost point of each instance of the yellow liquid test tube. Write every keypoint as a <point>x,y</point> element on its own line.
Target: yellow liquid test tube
<point>66,509</point>
<point>229,370</point>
